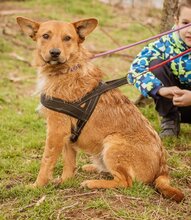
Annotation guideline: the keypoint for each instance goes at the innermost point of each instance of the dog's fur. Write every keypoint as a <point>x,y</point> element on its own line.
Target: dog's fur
<point>119,138</point>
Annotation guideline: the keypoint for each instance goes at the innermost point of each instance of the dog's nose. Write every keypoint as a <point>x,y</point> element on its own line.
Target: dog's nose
<point>55,52</point>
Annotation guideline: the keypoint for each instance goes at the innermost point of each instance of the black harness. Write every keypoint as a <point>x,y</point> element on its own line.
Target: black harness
<point>83,108</point>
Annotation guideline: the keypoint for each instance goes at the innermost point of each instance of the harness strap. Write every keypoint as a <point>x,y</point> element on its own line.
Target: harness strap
<point>76,110</point>
<point>75,131</point>
<point>59,105</point>
<point>105,86</point>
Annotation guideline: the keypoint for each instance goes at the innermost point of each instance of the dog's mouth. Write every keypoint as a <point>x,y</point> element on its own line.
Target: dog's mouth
<point>54,62</point>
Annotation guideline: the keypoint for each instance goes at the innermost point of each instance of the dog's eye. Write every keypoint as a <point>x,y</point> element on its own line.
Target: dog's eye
<point>45,36</point>
<point>67,38</point>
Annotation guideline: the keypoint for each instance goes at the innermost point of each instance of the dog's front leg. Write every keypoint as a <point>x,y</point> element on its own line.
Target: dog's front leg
<point>69,157</point>
<point>53,148</point>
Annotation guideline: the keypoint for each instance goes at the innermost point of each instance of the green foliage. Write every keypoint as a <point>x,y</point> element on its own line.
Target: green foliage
<point>84,9</point>
<point>4,47</point>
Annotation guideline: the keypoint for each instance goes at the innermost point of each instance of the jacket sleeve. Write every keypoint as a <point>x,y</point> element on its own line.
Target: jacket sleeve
<point>144,80</point>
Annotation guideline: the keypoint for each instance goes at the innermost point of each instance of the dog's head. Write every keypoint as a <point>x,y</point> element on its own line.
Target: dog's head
<point>57,41</point>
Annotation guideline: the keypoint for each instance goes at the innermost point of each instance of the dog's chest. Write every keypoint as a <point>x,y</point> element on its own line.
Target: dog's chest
<point>66,88</point>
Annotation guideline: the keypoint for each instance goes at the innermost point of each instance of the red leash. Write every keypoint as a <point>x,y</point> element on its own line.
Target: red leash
<point>163,63</point>
<point>169,60</point>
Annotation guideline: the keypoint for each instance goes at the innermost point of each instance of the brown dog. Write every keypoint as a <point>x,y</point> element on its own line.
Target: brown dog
<point>119,138</point>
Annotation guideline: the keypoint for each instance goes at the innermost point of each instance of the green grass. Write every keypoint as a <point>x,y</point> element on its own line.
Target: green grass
<point>23,131</point>
<point>98,203</point>
<point>138,190</point>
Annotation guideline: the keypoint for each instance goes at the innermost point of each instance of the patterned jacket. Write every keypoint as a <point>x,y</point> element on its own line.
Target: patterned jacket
<point>164,48</point>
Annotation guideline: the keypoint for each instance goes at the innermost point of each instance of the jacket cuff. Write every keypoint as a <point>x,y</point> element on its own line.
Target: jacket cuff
<point>153,92</point>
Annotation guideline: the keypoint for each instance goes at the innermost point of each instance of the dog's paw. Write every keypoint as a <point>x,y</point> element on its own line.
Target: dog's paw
<point>38,184</point>
<point>90,168</point>
<point>88,184</point>
<point>57,181</point>
<point>32,186</point>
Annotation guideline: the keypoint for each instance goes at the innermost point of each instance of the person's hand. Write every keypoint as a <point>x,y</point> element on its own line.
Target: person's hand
<point>182,98</point>
<point>168,92</point>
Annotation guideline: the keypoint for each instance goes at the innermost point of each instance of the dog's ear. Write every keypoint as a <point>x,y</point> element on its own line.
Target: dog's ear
<point>84,27</point>
<point>28,26</point>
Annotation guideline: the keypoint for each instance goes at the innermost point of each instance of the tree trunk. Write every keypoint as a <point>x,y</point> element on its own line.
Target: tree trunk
<point>169,9</point>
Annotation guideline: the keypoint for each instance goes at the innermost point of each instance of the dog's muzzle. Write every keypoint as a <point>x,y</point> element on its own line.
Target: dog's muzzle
<point>55,57</point>
<point>55,53</point>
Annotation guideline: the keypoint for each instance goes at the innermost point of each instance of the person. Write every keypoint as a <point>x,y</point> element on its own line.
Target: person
<point>182,98</point>
<point>169,85</point>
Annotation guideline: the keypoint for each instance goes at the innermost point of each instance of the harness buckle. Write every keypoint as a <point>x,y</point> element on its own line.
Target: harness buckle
<point>74,134</point>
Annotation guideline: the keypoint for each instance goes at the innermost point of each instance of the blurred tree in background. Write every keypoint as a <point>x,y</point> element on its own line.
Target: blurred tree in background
<point>169,9</point>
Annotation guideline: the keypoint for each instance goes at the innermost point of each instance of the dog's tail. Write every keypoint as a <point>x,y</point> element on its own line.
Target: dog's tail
<point>162,184</point>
